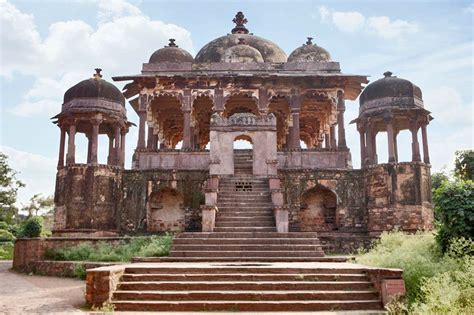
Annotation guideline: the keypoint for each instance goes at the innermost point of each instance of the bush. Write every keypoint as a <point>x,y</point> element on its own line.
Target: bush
<point>6,251</point>
<point>434,282</point>
<point>6,236</point>
<point>454,211</point>
<point>153,246</point>
<point>32,227</point>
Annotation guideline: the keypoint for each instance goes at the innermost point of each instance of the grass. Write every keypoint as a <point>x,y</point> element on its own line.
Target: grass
<point>436,283</point>
<point>150,246</point>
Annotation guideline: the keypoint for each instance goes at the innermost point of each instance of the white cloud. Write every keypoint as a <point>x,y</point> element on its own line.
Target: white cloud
<point>348,21</point>
<point>447,105</point>
<point>123,39</point>
<point>37,172</point>
<point>469,9</point>
<point>382,26</point>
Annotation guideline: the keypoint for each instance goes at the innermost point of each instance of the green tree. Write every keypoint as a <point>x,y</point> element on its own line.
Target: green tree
<point>464,164</point>
<point>437,179</point>
<point>9,186</point>
<point>32,227</point>
<point>454,211</point>
<point>39,205</point>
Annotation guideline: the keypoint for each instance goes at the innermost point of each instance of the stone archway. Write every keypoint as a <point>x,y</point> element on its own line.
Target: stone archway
<point>318,210</point>
<point>260,129</point>
<point>165,211</point>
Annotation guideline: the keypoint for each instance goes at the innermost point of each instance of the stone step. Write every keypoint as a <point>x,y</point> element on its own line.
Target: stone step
<point>251,306</point>
<point>243,277</point>
<point>237,223</point>
<point>331,259</point>
<point>247,241</point>
<point>256,218</point>
<point>252,234</point>
<point>244,285</point>
<point>248,194</point>
<point>244,204</point>
<point>249,253</point>
<point>246,247</point>
<point>245,229</point>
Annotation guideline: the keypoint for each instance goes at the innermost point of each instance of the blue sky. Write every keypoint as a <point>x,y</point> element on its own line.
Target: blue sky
<point>47,46</point>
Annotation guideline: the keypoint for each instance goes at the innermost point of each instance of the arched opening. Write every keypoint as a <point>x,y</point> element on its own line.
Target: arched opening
<point>240,103</point>
<point>167,114</point>
<point>318,210</point>
<point>165,211</point>
<point>243,155</point>
<point>404,146</point>
<point>201,118</point>
<point>280,107</point>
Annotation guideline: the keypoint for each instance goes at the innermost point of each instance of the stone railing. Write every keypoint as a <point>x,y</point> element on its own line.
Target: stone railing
<point>247,120</point>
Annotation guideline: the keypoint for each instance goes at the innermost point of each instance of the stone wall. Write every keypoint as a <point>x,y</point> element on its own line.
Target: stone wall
<point>378,198</point>
<point>145,210</point>
<point>87,198</point>
<point>29,251</point>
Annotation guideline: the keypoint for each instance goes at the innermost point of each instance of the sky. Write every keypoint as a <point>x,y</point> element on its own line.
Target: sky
<point>48,46</point>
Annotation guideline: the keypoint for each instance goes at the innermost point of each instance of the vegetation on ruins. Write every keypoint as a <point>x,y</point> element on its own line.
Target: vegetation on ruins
<point>147,246</point>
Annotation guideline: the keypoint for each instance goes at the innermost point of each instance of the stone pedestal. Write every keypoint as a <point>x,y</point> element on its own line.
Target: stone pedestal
<point>208,218</point>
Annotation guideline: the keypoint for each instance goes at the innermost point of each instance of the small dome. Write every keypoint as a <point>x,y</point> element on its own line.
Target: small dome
<point>171,53</point>
<point>95,87</point>
<point>215,50</point>
<point>309,52</point>
<point>242,53</point>
<point>390,91</point>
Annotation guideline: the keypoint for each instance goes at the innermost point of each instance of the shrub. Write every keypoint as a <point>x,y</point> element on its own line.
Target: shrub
<point>32,227</point>
<point>4,225</point>
<point>124,251</point>
<point>6,251</point>
<point>6,236</point>
<point>454,209</point>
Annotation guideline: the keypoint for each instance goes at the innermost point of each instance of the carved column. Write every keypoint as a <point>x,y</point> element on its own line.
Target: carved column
<point>71,146</point>
<point>186,107</point>
<point>390,142</point>
<point>395,144</point>
<point>341,108</point>
<point>424,137</point>
<point>118,153</point>
<point>141,130</point>
<point>122,147</point>
<point>363,155</point>
<point>332,133</point>
<point>94,140</point>
<point>369,146</point>
<point>149,140</point>
<point>374,147</point>
<point>327,141</point>
<point>62,142</point>
<point>415,157</point>
<point>89,148</point>
<point>110,157</point>
<point>218,101</point>
<point>262,101</point>
<point>295,104</point>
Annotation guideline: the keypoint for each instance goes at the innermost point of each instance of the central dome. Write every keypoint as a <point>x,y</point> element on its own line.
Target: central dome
<point>216,50</point>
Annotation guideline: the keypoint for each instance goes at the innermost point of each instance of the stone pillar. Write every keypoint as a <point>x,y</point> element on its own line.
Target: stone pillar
<point>71,146</point>
<point>122,147</point>
<point>218,100</point>
<point>187,130</point>
<point>374,147</point>
<point>141,130</point>
<point>332,133</point>
<point>369,147</point>
<point>110,157</point>
<point>149,139</point>
<point>362,146</point>
<point>424,137</point>
<point>117,152</point>
<point>395,145</point>
<point>262,101</point>
<point>89,148</point>
<point>62,142</point>
<point>94,141</point>
<point>295,131</point>
<point>391,144</point>
<point>327,141</point>
<point>415,146</point>
<point>341,108</point>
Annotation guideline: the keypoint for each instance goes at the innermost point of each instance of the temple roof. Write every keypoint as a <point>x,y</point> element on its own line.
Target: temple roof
<point>309,52</point>
<point>171,53</point>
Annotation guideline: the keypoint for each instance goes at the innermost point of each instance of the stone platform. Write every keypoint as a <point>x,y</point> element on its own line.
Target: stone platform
<point>242,286</point>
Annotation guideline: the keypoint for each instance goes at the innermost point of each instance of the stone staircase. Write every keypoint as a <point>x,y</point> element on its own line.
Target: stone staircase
<point>245,264</point>
<point>256,287</point>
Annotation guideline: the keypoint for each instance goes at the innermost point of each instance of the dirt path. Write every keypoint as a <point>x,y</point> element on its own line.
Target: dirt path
<point>23,294</point>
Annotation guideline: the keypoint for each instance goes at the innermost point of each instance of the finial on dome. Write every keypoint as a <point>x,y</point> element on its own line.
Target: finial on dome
<point>239,21</point>
<point>387,74</point>
<point>172,43</point>
<point>97,74</point>
<point>309,41</point>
